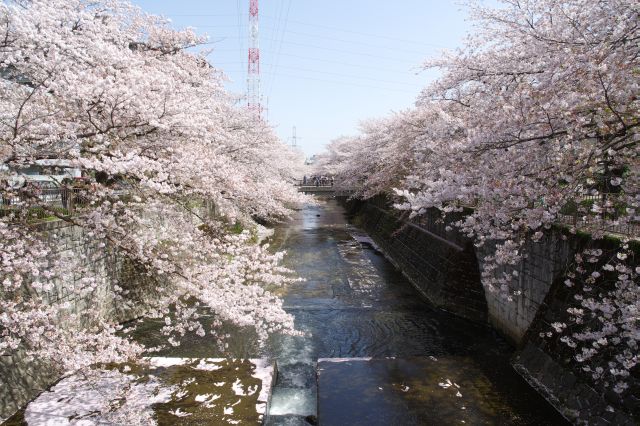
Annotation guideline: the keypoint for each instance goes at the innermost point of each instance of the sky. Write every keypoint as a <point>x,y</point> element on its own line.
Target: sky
<point>325,65</point>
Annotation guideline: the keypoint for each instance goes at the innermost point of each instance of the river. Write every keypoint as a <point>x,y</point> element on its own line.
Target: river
<point>429,366</point>
<point>354,303</point>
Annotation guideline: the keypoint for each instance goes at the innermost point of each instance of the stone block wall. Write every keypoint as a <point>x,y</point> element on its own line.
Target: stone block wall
<point>445,265</point>
<point>21,381</point>
<point>550,365</point>
<point>97,268</point>
<point>439,263</point>
<point>568,391</point>
<point>543,262</point>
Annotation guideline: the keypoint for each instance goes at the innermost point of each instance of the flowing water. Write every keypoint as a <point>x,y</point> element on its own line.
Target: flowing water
<point>374,353</point>
<point>354,304</point>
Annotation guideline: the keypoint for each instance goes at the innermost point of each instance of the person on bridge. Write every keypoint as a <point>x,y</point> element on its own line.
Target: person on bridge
<point>304,180</point>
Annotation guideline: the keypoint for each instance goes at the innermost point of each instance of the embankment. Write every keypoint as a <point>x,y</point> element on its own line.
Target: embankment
<point>445,267</point>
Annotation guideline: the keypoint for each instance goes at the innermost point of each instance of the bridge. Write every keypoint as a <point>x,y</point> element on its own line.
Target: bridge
<point>336,191</point>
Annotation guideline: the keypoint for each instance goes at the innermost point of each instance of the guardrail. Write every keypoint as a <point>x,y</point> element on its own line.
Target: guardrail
<point>626,228</point>
<point>579,214</point>
<point>610,214</point>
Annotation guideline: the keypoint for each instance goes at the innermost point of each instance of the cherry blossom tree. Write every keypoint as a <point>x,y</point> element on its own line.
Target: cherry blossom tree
<point>534,120</point>
<point>170,166</point>
<point>377,159</point>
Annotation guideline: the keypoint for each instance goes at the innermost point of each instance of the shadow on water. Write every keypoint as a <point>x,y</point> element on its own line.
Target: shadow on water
<point>354,303</point>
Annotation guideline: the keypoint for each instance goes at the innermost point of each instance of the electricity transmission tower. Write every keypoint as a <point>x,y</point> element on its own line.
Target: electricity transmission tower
<point>253,63</point>
<point>294,140</point>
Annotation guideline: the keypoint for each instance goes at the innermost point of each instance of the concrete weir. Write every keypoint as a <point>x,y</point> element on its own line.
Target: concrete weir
<point>166,391</point>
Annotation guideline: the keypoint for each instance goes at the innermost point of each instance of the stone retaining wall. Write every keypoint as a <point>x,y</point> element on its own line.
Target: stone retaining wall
<point>543,263</point>
<point>440,264</point>
<point>21,380</point>
<point>577,400</point>
<point>445,265</point>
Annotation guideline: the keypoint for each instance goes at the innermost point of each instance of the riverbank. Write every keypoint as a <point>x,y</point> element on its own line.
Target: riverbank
<point>444,267</point>
<point>354,305</point>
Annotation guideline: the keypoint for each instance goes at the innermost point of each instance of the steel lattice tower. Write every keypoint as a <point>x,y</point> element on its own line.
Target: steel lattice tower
<point>294,138</point>
<point>253,63</point>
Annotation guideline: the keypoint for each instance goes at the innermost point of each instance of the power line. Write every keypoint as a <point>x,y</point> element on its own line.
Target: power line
<point>306,24</point>
<point>240,37</point>
<point>346,83</point>
<point>348,52</point>
<point>275,69</point>
<point>377,47</point>
<point>347,75</point>
<point>358,42</point>
<point>215,26</point>
<point>276,28</point>
<point>275,32</point>
<point>205,15</point>
<point>359,76</point>
<point>348,64</point>
<point>345,63</point>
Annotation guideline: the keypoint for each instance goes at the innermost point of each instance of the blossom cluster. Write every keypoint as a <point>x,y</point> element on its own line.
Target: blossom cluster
<point>169,167</point>
<point>534,121</point>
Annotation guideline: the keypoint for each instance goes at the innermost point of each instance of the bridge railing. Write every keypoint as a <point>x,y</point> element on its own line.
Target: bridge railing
<point>310,183</point>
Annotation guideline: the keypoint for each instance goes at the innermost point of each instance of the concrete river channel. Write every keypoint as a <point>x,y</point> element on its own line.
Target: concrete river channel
<point>374,353</point>
<point>378,354</point>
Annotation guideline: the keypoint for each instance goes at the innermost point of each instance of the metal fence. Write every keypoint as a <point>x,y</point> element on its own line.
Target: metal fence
<point>609,217</point>
<point>629,228</point>
<point>42,203</point>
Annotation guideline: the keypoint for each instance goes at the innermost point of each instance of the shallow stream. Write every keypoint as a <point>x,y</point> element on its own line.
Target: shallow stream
<point>355,304</point>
